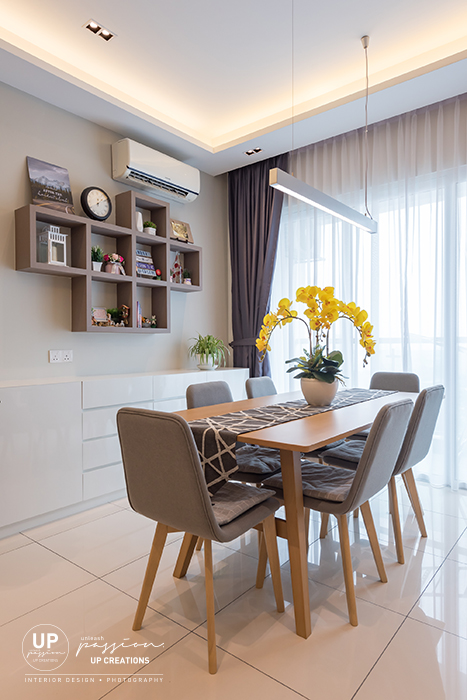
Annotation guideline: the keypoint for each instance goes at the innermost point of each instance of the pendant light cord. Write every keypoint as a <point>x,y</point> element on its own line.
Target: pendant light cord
<point>365,42</point>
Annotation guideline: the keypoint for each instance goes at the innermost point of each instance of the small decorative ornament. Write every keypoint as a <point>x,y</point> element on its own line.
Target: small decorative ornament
<point>114,264</point>
<point>149,228</point>
<point>139,221</point>
<point>52,246</point>
<point>96,203</point>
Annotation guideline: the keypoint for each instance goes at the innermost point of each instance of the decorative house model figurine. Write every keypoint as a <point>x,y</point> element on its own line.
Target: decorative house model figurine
<point>52,246</point>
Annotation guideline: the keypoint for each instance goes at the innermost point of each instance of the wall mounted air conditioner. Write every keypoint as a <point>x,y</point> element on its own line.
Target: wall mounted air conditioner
<point>154,172</point>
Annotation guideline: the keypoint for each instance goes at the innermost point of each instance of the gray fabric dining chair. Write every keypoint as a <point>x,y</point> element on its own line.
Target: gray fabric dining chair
<point>165,483</point>
<point>390,381</point>
<point>254,463</point>
<point>336,491</point>
<point>260,386</point>
<point>416,445</point>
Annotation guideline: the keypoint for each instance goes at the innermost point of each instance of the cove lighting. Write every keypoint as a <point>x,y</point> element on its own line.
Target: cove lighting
<point>288,184</point>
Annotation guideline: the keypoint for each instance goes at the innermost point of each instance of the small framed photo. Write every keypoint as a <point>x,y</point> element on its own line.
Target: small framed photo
<point>50,185</point>
<point>181,231</point>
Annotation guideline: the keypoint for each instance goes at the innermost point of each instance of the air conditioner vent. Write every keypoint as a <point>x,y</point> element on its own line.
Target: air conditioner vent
<point>155,182</point>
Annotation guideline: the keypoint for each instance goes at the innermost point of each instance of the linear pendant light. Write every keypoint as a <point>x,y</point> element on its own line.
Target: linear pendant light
<point>289,184</point>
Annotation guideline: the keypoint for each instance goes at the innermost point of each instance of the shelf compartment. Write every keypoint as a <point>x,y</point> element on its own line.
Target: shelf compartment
<point>159,253</point>
<point>30,220</point>
<point>127,204</point>
<point>192,261</point>
<point>154,299</point>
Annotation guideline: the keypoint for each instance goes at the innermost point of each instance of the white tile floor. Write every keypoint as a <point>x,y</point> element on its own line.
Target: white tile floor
<point>83,574</point>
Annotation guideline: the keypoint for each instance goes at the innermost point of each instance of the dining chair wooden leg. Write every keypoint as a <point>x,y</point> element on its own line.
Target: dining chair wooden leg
<point>185,555</point>
<point>396,521</point>
<point>372,536</point>
<point>355,513</point>
<point>155,555</point>
<point>347,567</point>
<point>210,611</point>
<point>307,527</point>
<point>270,539</point>
<point>324,525</point>
<point>410,485</point>
<point>262,562</point>
<point>199,544</point>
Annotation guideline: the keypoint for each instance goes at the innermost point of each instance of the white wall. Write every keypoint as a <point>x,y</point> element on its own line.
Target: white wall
<point>36,309</point>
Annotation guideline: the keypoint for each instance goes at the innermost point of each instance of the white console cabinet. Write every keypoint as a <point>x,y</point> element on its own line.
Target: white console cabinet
<point>59,448</point>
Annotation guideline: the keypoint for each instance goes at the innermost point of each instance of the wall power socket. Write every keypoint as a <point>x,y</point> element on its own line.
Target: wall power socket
<point>60,356</point>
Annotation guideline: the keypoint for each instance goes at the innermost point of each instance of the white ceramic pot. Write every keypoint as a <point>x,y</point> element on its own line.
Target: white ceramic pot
<point>150,230</point>
<point>318,393</point>
<point>206,362</point>
<point>96,266</point>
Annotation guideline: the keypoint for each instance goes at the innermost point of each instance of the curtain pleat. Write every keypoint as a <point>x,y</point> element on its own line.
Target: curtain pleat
<point>254,217</point>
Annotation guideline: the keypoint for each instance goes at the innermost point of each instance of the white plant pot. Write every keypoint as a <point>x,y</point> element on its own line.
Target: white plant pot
<point>96,266</point>
<point>206,362</point>
<point>150,230</point>
<point>318,393</point>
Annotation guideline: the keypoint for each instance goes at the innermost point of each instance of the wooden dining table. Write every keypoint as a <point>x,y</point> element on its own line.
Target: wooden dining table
<point>293,438</point>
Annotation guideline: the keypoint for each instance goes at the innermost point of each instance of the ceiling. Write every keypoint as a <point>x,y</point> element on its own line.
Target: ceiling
<point>205,80</point>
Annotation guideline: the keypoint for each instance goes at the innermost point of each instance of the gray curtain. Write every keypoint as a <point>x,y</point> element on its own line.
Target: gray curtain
<point>254,217</point>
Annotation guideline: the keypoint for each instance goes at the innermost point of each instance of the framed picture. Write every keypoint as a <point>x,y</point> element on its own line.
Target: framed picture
<point>181,231</point>
<point>50,185</point>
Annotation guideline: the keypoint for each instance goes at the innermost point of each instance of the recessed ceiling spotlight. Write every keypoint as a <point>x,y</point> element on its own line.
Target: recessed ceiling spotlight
<point>252,151</point>
<point>99,30</point>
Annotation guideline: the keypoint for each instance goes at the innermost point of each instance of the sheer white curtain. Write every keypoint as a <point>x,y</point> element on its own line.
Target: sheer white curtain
<point>411,277</point>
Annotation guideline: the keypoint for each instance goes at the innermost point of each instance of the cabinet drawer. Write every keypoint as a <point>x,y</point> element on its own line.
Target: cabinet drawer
<point>103,481</point>
<point>169,406</point>
<point>102,422</point>
<point>118,391</point>
<point>171,386</point>
<point>101,452</point>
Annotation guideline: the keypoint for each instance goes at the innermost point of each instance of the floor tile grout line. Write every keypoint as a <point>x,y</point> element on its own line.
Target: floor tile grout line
<point>407,617</point>
<point>88,522</point>
<point>378,659</point>
<point>135,673</point>
<point>28,612</point>
<point>437,570</point>
<point>255,668</point>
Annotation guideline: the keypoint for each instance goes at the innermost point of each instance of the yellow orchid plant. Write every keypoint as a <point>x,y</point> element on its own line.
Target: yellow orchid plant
<point>322,310</point>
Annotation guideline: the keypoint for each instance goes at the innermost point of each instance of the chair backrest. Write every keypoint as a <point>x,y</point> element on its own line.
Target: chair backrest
<point>208,394</point>
<point>164,478</point>
<point>395,381</point>
<point>421,427</point>
<point>260,386</point>
<point>380,453</point>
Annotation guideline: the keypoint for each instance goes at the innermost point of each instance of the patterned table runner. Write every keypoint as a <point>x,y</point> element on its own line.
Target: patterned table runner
<point>216,437</point>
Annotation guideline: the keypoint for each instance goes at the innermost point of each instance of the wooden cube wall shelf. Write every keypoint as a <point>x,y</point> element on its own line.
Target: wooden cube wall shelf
<point>128,288</point>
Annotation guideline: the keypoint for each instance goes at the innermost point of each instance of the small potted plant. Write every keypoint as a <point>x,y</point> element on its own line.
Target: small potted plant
<point>158,274</point>
<point>186,276</point>
<point>211,351</point>
<point>150,228</point>
<point>97,257</point>
<point>113,263</point>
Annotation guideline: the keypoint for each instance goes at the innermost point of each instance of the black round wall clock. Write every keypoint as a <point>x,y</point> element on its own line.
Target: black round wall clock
<point>96,203</point>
